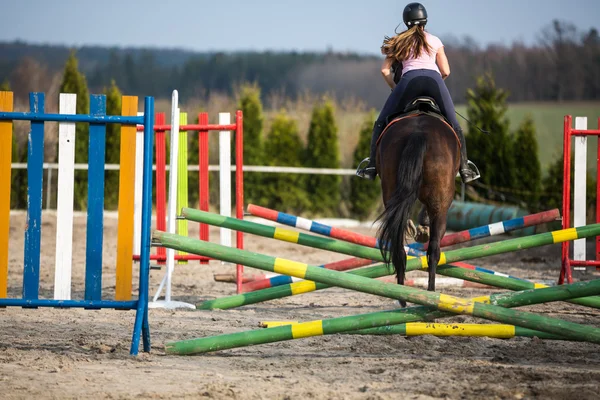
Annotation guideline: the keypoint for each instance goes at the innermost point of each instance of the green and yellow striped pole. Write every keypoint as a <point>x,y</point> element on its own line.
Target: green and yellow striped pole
<point>439,301</point>
<point>182,179</point>
<point>286,235</point>
<point>384,319</point>
<point>379,270</point>
<point>278,292</point>
<point>497,331</point>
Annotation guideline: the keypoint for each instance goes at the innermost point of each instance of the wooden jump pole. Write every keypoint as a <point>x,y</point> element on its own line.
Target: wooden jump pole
<point>441,302</point>
<point>371,253</point>
<point>447,306</point>
<point>497,331</point>
<point>448,240</point>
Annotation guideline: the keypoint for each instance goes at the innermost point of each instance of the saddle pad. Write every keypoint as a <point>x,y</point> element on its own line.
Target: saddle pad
<point>411,116</point>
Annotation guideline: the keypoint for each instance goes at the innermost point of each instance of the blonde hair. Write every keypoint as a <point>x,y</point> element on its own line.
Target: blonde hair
<point>410,43</point>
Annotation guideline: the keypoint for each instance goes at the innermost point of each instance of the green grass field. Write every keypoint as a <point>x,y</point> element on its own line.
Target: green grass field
<point>548,119</point>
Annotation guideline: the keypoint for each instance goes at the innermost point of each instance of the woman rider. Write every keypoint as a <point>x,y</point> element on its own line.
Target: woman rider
<point>424,66</point>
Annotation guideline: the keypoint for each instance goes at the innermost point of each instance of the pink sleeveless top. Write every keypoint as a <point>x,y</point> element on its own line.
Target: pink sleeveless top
<point>426,60</point>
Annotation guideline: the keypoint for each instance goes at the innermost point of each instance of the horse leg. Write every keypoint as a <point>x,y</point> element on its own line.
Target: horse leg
<point>422,235</point>
<point>400,279</point>
<point>424,217</point>
<point>437,230</point>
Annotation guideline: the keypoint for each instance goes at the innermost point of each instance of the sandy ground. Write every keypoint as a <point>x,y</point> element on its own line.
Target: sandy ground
<point>63,354</point>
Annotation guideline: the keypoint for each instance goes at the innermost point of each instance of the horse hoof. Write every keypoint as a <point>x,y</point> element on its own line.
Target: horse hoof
<point>422,235</point>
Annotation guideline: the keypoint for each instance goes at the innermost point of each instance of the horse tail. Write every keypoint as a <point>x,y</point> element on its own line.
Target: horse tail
<point>395,216</point>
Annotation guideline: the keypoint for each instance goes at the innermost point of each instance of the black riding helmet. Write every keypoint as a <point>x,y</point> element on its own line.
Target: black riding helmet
<point>414,14</point>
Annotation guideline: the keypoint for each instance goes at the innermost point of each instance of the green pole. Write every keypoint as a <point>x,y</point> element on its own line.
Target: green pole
<point>498,331</point>
<point>376,271</point>
<point>286,235</point>
<point>380,320</point>
<point>374,254</point>
<point>279,292</point>
<point>182,178</point>
<point>490,330</point>
<point>431,299</point>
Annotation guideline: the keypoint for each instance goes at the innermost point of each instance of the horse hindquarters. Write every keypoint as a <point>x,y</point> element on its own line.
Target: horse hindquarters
<point>437,197</point>
<point>404,191</point>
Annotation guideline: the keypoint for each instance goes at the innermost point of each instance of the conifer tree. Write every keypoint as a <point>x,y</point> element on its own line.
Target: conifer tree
<point>527,163</point>
<point>74,82</point>
<point>322,151</point>
<point>18,177</point>
<point>363,193</point>
<point>492,153</point>
<point>552,188</point>
<point>284,146</point>
<point>252,109</point>
<point>113,147</point>
<point>552,185</point>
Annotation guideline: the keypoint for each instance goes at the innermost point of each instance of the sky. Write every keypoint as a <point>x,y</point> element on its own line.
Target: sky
<point>278,25</point>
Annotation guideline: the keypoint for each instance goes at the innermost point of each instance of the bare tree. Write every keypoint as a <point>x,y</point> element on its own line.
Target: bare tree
<point>560,42</point>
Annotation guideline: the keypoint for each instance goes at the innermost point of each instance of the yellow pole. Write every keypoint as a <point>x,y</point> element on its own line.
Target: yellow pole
<point>124,267</point>
<point>6,127</point>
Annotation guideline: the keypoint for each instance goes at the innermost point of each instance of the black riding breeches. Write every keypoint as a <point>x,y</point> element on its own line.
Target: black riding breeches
<point>415,83</point>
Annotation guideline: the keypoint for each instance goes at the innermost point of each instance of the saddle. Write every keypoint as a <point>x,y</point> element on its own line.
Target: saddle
<point>422,105</point>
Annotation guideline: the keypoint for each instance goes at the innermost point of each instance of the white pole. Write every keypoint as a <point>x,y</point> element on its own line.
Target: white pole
<point>225,175</point>
<point>64,199</point>
<point>172,201</point>
<point>137,202</point>
<point>579,186</point>
<point>171,212</point>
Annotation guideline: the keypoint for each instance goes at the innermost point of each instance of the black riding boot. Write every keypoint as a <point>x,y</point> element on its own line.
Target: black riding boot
<point>467,173</point>
<point>370,171</point>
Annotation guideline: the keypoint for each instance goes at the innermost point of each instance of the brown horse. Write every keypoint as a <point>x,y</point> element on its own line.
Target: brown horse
<point>417,158</point>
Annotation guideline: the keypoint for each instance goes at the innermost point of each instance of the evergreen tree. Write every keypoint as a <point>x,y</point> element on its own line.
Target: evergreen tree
<point>113,147</point>
<point>552,189</point>
<point>252,109</point>
<point>552,185</point>
<point>322,151</point>
<point>18,177</point>
<point>284,146</point>
<point>527,163</point>
<point>492,153</point>
<point>74,82</point>
<point>363,193</point>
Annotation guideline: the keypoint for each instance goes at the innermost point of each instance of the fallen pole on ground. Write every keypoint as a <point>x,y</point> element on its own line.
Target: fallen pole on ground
<point>290,236</point>
<point>279,280</point>
<point>447,306</point>
<point>497,331</point>
<point>436,300</point>
<point>497,280</point>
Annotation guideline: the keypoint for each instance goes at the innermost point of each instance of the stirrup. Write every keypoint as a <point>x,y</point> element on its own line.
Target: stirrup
<point>367,172</point>
<point>471,173</point>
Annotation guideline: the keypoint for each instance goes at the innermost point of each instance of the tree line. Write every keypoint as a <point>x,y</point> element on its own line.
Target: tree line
<point>562,65</point>
<point>512,173</point>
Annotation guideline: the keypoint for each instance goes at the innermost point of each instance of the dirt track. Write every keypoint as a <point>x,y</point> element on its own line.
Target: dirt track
<point>48,353</point>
